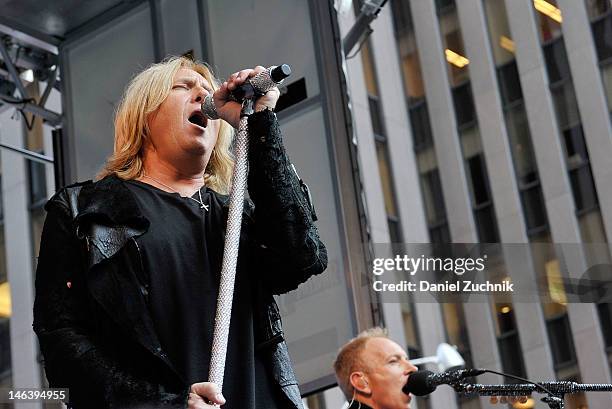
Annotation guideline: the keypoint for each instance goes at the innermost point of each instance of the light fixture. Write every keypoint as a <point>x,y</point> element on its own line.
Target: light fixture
<point>27,75</point>
<point>548,9</point>
<point>507,44</point>
<point>456,59</point>
<point>5,300</point>
<point>447,358</point>
<point>505,309</point>
<point>556,287</point>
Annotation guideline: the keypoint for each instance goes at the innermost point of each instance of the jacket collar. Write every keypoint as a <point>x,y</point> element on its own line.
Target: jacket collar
<point>110,201</point>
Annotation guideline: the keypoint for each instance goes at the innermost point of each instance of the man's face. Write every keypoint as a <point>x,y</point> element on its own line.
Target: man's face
<point>178,130</point>
<point>387,372</point>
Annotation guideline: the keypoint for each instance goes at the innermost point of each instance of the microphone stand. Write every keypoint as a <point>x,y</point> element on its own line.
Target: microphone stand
<point>257,86</point>
<point>556,391</point>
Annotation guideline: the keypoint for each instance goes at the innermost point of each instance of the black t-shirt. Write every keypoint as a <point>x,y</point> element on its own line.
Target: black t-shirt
<point>182,251</point>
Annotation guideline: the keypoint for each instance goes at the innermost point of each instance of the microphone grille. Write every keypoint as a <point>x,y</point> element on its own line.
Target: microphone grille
<point>208,107</point>
<point>418,383</point>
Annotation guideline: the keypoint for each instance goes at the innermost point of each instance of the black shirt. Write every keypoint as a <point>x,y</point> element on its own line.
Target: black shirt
<point>182,252</point>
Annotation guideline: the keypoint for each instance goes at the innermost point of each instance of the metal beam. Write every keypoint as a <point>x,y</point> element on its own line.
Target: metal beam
<point>35,156</point>
<point>53,118</point>
<point>12,70</point>
<point>29,36</point>
<point>50,84</point>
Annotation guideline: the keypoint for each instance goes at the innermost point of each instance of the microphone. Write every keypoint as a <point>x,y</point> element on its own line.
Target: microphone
<point>424,382</point>
<point>254,87</point>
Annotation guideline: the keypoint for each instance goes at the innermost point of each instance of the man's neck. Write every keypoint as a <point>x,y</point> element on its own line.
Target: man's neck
<point>185,178</point>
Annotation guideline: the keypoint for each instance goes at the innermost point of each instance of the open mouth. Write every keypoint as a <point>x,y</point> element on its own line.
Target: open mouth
<point>198,118</point>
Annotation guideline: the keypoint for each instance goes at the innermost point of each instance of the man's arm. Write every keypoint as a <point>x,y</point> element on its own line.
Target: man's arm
<point>287,239</point>
<point>72,357</point>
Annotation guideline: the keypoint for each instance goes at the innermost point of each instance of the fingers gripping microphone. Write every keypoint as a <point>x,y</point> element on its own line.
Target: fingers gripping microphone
<point>423,383</point>
<point>254,87</point>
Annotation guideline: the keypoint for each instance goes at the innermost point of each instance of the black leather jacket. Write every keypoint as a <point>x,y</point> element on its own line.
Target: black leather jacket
<point>90,313</point>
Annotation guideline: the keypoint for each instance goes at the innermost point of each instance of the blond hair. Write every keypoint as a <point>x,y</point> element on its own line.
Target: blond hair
<point>143,96</point>
<point>349,358</point>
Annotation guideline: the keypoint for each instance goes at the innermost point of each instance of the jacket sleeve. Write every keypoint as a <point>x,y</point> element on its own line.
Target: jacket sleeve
<point>287,240</point>
<point>71,356</point>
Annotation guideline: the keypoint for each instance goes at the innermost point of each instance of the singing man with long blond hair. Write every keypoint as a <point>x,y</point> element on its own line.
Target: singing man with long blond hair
<point>129,265</point>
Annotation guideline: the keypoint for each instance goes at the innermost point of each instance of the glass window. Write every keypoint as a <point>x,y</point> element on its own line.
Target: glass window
<point>533,208</point>
<point>453,49</point>
<point>581,178</point>
<point>463,102</point>
<point>521,146</point>
<point>457,334</point>
<point>566,105</point>
<point>402,17</point>
<point>548,273</point>
<point>5,351</point>
<point>456,329</point>
<point>384,167</point>
<point>583,188</point>
<point>421,130</point>
<point>410,326</point>
<point>440,234</point>
<point>368,69</point>
<point>592,231</point>
<point>484,215</point>
<point>386,178</point>
<point>456,57</point>
<point>413,345</point>
<point>486,224</point>
<point>5,314</point>
<point>508,340</point>
<point>442,6</point>
<point>549,18</point>
<point>557,64</point>
<point>606,75</point>
<point>575,147</point>
<point>519,135</point>
<point>561,342</point>
<point>407,47</point>
<point>395,232</point>
<point>602,31</point>
<point>38,182</point>
<point>479,183</point>
<point>499,31</point>
<point>414,89</point>
<point>433,197</point>
<point>376,116</point>
<point>605,316</point>
<point>509,83</point>
<point>597,8</point>
<point>413,80</point>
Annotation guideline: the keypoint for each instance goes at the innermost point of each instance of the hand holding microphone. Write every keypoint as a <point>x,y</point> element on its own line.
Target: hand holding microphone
<point>259,83</point>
